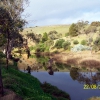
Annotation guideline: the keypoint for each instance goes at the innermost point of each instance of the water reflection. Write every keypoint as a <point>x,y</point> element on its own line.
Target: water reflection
<point>82,75</point>
<point>85,77</point>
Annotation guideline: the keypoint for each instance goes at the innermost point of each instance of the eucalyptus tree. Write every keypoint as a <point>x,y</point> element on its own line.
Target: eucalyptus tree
<point>11,22</point>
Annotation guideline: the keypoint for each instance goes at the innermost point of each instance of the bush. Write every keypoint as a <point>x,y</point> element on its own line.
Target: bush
<point>42,47</point>
<point>59,43</point>
<point>67,34</point>
<point>66,45</point>
<point>83,42</point>
<point>75,42</point>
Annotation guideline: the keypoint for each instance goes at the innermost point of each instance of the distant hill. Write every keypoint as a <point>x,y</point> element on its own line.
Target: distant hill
<point>41,29</point>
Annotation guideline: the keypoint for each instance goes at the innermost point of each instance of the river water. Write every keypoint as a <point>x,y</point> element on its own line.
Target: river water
<point>64,82</point>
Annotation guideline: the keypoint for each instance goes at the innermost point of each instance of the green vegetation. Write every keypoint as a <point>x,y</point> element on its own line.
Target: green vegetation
<point>2,40</point>
<point>41,47</point>
<point>23,84</point>
<point>73,30</point>
<point>83,42</point>
<point>75,42</point>
<point>60,95</point>
<point>59,43</point>
<point>66,45</point>
<point>45,37</point>
<point>66,34</point>
<point>27,86</point>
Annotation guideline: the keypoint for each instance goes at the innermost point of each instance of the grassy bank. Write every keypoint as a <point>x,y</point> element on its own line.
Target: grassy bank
<point>26,86</point>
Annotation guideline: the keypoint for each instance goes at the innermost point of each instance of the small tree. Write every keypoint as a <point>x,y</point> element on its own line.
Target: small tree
<point>45,37</point>
<point>73,30</point>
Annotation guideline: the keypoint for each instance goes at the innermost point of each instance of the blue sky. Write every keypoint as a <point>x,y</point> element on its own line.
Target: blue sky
<point>54,12</point>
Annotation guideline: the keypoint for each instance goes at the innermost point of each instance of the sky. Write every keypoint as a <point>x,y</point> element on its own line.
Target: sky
<point>58,12</point>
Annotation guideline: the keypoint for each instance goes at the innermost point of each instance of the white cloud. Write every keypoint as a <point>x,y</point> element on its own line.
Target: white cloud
<point>48,12</point>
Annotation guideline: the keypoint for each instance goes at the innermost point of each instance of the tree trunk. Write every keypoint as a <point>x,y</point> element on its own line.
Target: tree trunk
<point>1,85</point>
<point>7,49</point>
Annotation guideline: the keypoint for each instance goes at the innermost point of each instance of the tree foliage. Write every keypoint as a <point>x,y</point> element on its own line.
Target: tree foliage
<point>53,35</point>
<point>45,37</point>
<point>73,30</point>
<point>95,23</point>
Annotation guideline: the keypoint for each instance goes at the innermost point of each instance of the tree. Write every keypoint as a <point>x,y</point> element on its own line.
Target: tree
<point>1,84</point>
<point>11,22</point>
<point>73,30</point>
<point>53,35</point>
<point>10,25</point>
<point>81,24</point>
<point>2,40</point>
<point>45,37</point>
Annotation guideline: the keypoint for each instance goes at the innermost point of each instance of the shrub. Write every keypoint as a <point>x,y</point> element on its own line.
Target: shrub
<point>75,42</point>
<point>67,34</point>
<point>83,42</point>
<point>66,45</point>
<point>42,47</point>
<point>59,43</point>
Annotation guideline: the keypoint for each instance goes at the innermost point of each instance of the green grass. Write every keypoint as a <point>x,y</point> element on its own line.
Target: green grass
<point>24,85</point>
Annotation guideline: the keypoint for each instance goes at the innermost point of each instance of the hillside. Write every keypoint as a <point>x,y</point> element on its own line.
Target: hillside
<point>60,29</point>
<point>42,29</point>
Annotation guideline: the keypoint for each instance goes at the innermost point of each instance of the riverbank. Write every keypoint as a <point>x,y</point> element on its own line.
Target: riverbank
<point>80,59</point>
<point>26,86</point>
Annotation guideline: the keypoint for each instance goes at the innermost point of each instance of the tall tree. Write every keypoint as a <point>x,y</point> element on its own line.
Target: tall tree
<point>13,23</point>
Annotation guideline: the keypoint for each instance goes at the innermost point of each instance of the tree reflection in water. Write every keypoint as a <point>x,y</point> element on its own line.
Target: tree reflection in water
<point>85,78</point>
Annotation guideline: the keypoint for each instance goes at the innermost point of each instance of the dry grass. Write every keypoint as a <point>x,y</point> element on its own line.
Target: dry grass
<point>90,63</point>
<point>73,61</point>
